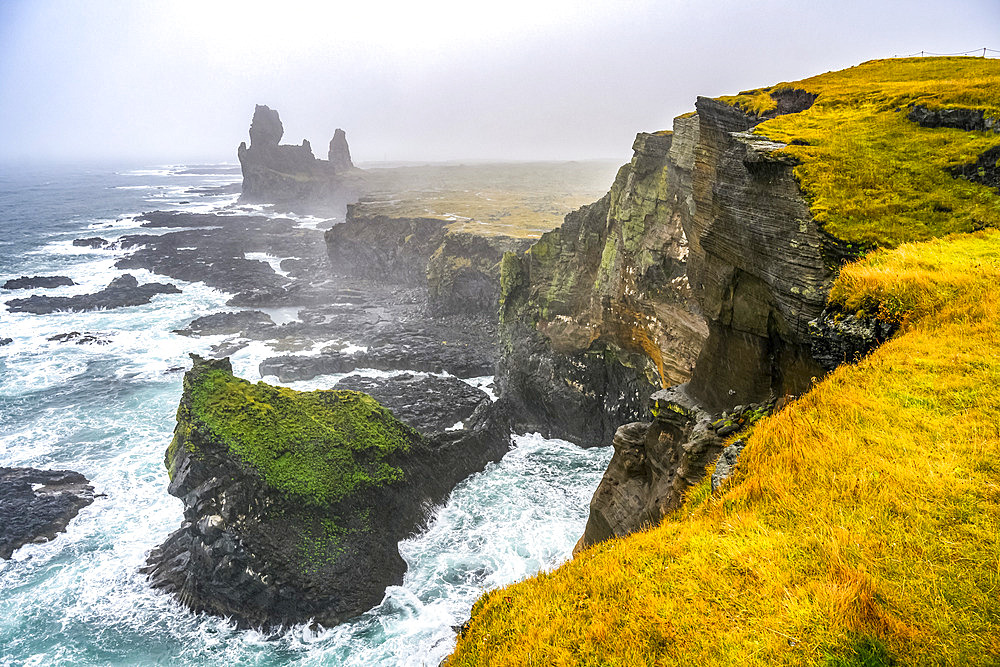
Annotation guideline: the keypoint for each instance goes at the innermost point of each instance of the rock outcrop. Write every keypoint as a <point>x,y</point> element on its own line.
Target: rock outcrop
<point>289,175</point>
<point>295,501</point>
<point>35,505</point>
<point>703,265</point>
<point>32,282</point>
<point>121,292</point>
<point>461,270</point>
<point>339,154</point>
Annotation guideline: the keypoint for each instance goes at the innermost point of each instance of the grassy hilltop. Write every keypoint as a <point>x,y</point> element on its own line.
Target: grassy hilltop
<point>863,524</point>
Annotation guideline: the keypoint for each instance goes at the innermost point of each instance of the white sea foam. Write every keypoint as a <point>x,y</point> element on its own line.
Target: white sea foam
<point>271,260</point>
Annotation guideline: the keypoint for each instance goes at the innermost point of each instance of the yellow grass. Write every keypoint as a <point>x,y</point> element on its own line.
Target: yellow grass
<point>862,525</point>
<point>871,175</point>
<point>522,200</point>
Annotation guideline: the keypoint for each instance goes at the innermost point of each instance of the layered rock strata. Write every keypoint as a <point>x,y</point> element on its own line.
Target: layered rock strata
<point>703,264</point>
<point>598,313</point>
<point>294,502</point>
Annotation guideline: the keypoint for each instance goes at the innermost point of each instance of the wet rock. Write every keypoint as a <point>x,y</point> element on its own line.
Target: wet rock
<point>25,282</point>
<point>35,505</point>
<point>91,242</point>
<point>6,341</point>
<point>239,322</point>
<point>122,292</point>
<point>417,351</point>
<point>85,338</point>
<point>430,404</point>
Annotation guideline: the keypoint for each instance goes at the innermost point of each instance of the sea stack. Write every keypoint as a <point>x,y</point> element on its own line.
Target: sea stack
<point>290,176</point>
<point>340,154</point>
<point>295,502</point>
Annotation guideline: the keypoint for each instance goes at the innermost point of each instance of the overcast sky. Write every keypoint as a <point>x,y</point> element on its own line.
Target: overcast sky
<point>511,79</point>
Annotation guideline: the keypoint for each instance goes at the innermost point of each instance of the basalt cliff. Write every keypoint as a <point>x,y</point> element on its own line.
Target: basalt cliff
<point>760,317</point>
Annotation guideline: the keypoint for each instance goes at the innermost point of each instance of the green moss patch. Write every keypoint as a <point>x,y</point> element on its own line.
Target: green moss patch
<point>320,445</point>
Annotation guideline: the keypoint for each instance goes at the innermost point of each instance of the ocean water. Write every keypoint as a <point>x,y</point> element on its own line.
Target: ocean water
<point>108,412</point>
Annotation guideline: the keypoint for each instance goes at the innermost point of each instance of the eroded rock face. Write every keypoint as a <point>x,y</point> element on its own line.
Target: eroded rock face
<point>653,465</point>
<point>121,292</point>
<point>339,154</point>
<point>597,314</point>
<point>461,270</point>
<point>310,534</point>
<point>35,505</point>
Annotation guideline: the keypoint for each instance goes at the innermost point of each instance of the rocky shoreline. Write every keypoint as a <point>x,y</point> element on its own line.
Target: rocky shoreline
<point>36,505</point>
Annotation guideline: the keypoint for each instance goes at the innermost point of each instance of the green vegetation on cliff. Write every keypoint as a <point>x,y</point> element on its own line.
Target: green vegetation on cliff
<point>872,175</point>
<point>320,445</point>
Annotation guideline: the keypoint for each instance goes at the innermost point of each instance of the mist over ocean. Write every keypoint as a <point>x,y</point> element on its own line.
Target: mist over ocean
<point>107,411</point>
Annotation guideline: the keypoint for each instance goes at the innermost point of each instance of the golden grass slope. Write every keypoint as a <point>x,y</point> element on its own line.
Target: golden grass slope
<point>871,175</point>
<point>863,524</point>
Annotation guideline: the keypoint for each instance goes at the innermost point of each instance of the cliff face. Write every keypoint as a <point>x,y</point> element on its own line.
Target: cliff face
<point>295,502</point>
<point>703,263</point>
<point>292,175</point>
<point>461,270</point>
<point>759,265</point>
<point>598,313</point>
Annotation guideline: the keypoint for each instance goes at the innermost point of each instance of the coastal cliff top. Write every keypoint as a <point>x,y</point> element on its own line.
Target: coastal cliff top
<point>521,200</point>
<point>892,150</point>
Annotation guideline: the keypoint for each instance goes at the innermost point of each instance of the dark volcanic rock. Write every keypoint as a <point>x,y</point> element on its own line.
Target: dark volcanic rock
<point>291,175</point>
<point>970,120</point>
<point>35,505</point>
<point>429,404</point>
<point>24,282</point>
<point>418,350</point>
<point>6,341</point>
<point>840,338</point>
<point>85,338</point>
<point>310,534</point>
<point>91,242</point>
<point>238,322</point>
<point>123,291</point>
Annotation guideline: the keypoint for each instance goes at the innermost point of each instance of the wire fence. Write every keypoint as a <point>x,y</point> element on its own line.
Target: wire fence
<point>980,52</point>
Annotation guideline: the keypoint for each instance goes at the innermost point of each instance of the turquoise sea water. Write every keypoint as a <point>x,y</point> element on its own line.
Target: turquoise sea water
<point>107,411</point>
